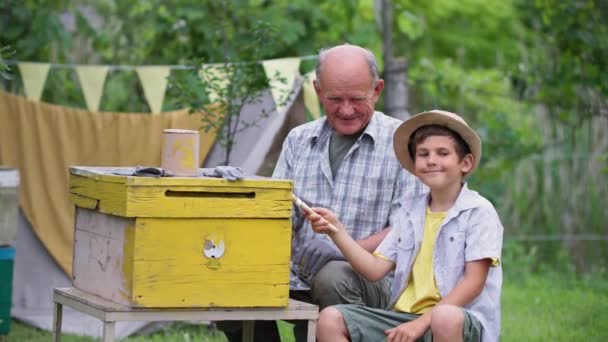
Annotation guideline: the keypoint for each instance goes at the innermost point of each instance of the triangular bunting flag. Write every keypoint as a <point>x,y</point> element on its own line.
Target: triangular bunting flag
<point>287,68</point>
<point>92,79</point>
<point>34,77</point>
<point>217,76</point>
<point>311,100</point>
<point>154,82</point>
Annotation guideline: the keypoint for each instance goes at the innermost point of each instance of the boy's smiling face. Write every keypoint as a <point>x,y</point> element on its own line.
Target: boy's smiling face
<point>437,163</point>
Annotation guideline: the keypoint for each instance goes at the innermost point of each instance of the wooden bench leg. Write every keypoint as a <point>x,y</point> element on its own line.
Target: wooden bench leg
<point>57,317</point>
<point>312,330</point>
<point>248,331</point>
<point>108,331</point>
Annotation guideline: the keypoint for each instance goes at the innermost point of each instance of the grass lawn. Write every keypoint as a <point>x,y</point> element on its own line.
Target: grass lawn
<point>177,332</point>
<point>554,309</point>
<point>537,309</point>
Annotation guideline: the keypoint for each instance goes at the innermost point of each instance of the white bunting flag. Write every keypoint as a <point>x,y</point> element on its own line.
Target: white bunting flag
<point>92,79</point>
<point>311,100</point>
<point>34,77</point>
<point>287,68</point>
<point>154,82</point>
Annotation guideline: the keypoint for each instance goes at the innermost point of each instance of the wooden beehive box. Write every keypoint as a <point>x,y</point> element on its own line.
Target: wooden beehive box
<point>181,241</point>
<point>9,204</point>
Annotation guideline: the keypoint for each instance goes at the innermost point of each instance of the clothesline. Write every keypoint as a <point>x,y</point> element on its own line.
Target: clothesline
<point>112,67</point>
<point>153,79</point>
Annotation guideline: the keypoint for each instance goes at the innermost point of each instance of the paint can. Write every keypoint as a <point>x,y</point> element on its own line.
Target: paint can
<point>181,152</point>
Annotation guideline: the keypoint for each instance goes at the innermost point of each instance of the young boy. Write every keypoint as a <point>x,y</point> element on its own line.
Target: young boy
<point>444,247</point>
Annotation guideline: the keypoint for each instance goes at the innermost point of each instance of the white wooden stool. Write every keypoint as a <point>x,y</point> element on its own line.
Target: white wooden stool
<point>109,313</point>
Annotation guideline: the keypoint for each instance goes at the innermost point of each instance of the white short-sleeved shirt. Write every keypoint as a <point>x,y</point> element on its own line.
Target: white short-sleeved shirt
<point>470,231</point>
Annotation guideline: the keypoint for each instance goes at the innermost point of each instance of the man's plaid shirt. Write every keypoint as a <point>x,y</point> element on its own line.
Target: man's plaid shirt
<point>369,184</point>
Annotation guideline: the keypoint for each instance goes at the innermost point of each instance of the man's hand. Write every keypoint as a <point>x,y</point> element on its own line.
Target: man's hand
<point>406,332</point>
<point>315,254</point>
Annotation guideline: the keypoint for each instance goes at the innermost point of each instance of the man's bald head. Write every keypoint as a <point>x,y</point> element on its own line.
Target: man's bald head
<point>348,56</point>
<point>348,86</point>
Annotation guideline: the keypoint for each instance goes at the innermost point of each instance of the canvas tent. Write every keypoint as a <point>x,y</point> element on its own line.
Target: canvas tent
<point>42,140</point>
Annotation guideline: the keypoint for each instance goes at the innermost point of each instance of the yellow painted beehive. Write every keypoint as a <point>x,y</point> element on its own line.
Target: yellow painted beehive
<point>181,241</point>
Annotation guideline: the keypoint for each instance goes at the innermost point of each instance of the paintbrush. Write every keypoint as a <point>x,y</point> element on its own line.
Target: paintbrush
<point>300,204</point>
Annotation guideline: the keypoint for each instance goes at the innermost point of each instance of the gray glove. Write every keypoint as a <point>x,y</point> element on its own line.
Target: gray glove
<point>230,173</point>
<point>315,254</point>
<point>141,171</point>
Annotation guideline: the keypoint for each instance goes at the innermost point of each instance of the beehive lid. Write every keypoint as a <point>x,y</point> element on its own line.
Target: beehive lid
<point>114,190</point>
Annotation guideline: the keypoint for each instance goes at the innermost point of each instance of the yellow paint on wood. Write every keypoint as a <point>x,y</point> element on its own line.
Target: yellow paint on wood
<point>111,175</point>
<point>257,182</point>
<point>171,269</point>
<point>167,260</point>
<point>208,202</point>
<point>112,196</point>
<point>98,173</point>
<point>195,197</point>
<point>84,202</point>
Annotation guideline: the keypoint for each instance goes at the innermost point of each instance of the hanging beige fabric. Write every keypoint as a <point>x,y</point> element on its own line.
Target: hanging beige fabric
<point>43,140</point>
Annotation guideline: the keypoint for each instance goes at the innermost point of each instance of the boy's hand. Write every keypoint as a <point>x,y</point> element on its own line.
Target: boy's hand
<point>321,219</point>
<point>410,331</point>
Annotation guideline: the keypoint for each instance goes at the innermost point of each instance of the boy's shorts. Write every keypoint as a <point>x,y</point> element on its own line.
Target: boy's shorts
<point>368,324</point>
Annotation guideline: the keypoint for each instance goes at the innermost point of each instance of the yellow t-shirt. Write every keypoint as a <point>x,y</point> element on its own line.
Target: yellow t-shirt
<point>421,293</point>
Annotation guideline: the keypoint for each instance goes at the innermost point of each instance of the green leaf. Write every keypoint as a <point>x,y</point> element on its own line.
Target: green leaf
<point>410,25</point>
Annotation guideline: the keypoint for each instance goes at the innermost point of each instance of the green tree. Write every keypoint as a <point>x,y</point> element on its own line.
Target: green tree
<point>138,32</point>
<point>234,84</point>
<point>565,61</point>
<point>4,68</point>
<point>513,68</point>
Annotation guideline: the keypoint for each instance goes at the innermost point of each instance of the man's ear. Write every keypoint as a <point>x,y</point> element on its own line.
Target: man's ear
<point>378,89</point>
<point>315,83</point>
<point>467,163</point>
<point>379,86</point>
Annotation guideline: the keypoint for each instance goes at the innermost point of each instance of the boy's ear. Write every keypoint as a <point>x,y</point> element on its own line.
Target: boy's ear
<point>467,163</point>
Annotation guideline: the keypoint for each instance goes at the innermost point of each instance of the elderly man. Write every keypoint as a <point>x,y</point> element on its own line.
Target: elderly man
<point>344,161</point>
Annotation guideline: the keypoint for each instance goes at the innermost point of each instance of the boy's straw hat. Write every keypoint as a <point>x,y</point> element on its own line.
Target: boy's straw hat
<point>402,135</point>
